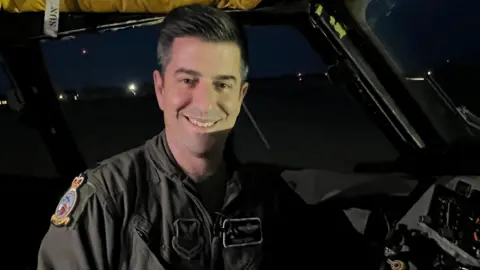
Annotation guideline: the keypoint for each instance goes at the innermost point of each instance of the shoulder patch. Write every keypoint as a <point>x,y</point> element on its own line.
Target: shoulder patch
<point>68,202</point>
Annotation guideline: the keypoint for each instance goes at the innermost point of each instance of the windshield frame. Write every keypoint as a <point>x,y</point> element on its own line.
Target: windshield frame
<point>439,125</point>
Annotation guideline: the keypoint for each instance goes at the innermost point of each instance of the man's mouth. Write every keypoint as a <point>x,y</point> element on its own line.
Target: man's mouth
<point>202,123</point>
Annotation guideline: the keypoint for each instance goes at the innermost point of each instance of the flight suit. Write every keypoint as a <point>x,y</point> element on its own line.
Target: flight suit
<point>138,210</point>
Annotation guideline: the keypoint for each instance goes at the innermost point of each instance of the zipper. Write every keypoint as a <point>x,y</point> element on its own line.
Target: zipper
<point>204,212</point>
<point>208,219</point>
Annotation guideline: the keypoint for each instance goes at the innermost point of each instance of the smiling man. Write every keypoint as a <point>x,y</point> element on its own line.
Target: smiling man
<point>182,201</point>
<point>200,88</point>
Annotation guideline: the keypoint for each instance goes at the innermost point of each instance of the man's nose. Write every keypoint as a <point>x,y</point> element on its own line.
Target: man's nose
<point>205,96</point>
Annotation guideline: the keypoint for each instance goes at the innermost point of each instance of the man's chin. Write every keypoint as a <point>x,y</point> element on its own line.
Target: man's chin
<point>204,147</point>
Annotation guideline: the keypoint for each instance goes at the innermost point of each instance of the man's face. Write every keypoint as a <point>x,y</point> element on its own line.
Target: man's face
<point>200,93</point>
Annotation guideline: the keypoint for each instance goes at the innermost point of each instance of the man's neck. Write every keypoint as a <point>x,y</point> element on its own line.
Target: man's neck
<point>197,168</point>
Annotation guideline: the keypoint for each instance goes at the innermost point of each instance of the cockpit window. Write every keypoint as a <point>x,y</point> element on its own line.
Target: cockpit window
<point>434,38</point>
<point>292,116</point>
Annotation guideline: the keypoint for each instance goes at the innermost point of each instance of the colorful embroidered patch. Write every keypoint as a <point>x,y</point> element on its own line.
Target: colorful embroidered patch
<point>67,203</point>
<point>78,181</point>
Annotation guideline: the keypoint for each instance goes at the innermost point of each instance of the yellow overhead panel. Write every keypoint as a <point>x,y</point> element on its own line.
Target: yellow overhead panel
<point>125,6</point>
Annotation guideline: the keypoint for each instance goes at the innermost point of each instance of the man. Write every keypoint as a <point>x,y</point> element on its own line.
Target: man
<point>181,201</point>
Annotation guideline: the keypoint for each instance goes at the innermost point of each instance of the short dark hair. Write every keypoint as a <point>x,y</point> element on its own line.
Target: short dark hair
<point>207,23</point>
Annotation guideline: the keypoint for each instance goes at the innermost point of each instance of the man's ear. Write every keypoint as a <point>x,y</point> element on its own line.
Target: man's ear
<point>159,88</point>
<point>243,90</point>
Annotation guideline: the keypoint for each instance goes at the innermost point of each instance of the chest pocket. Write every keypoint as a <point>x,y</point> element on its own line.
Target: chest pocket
<point>247,257</point>
<point>141,255</point>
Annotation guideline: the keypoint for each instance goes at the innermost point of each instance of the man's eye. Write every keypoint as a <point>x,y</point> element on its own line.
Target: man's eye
<point>187,81</point>
<point>223,86</point>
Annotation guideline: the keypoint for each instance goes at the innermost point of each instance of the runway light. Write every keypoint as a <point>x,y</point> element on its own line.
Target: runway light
<point>132,87</point>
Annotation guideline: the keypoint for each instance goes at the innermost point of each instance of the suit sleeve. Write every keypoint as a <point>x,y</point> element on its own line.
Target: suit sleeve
<point>88,241</point>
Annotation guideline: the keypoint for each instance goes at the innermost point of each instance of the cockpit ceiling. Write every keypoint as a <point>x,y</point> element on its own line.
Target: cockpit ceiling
<point>122,6</point>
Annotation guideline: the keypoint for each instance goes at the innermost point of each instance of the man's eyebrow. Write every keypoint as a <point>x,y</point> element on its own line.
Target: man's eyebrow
<point>225,77</point>
<point>188,71</point>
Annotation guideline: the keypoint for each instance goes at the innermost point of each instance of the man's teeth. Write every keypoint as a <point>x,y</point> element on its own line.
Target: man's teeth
<point>201,124</point>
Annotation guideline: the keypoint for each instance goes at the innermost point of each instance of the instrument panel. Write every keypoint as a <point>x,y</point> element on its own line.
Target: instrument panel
<point>441,230</point>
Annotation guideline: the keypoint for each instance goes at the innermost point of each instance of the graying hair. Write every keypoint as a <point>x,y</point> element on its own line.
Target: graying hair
<point>207,23</point>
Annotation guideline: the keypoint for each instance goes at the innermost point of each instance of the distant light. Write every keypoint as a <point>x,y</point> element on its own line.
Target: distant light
<point>4,102</point>
<point>415,79</point>
<point>84,51</point>
<point>75,97</point>
<point>429,73</point>
<point>132,87</point>
<point>299,74</point>
<point>60,97</point>
<point>448,60</point>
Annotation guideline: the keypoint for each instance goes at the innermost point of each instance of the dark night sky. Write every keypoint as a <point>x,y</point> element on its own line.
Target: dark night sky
<point>118,58</point>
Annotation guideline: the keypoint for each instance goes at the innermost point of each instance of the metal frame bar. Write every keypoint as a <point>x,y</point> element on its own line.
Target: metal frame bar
<point>332,53</point>
<point>364,79</point>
